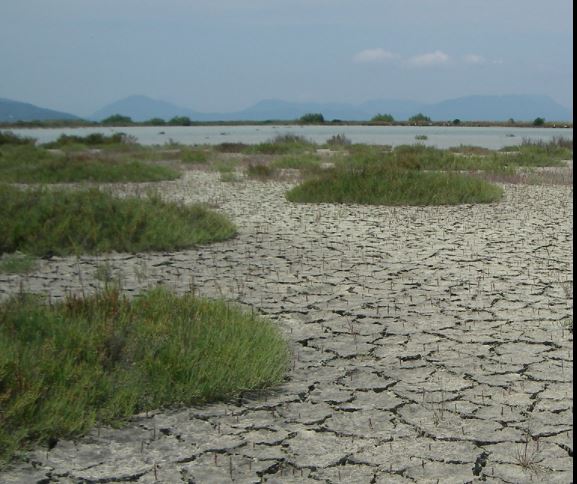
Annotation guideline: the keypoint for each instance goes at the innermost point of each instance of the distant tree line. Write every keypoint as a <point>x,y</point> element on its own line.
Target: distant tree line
<point>309,118</point>
<point>119,119</point>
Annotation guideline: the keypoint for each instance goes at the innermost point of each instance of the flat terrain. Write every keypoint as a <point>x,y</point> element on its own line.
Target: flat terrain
<point>429,344</point>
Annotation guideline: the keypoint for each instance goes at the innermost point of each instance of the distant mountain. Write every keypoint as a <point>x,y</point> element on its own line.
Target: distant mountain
<point>283,110</point>
<point>468,108</point>
<point>12,111</point>
<point>400,109</point>
<point>499,108</point>
<point>142,108</point>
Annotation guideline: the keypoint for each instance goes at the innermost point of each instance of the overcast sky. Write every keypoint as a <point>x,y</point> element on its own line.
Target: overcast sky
<point>224,55</point>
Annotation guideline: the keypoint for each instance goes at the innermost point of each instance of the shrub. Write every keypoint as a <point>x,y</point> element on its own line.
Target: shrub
<point>419,118</point>
<point>180,121</point>
<point>117,119</point>
<point>383,118</point>
<point>312,118</point>
<point>155,122</point>
<point>539,122</point>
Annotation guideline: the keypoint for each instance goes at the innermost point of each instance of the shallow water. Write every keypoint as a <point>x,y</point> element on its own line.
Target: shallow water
<point>439,136</point>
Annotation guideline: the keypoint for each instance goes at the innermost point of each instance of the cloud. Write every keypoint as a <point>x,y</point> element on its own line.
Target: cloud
<point>431,59</point>
<point>474,59</point>
<point>479,60</point>
<point>374,55</point>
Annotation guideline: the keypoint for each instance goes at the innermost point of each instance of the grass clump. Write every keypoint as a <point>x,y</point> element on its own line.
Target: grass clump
<point>69,366</point>
<point>92,139</point>
<point>469,150</point>
<point>227,170</point>
<point>29,164</point>
<point>9,138</point>
<point>304,161</point>
<point>46,222</point>
<point>261,172</point>
<point>558,148</point>
<point>17,263</point>
<point>338,140</point>
<point>282,145</point>
<point>194,156</point>
<point>229,147</point>
<point>383,185</point>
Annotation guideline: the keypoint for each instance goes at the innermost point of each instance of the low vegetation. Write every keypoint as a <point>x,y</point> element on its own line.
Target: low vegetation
<point>419,118</point>
<point>383,118</point>
<point>194,156</point>
<point>9,138</point>
<point>312,118</point>
<point>17,263</point>
<point>261,171</point>
<point>92,139</point>
<point>66,367</point>
<point>304,162</point>
<point>338,140</point>
<point>374,184</point>
<point>46,222</point>
<point>100,167</point>
<point>31,164</point>
<point>282,145</point>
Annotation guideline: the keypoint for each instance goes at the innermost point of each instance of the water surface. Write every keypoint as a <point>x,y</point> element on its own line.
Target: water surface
<point>439,136</point>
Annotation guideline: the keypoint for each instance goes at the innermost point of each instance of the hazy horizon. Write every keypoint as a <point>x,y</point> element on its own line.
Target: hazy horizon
<point>221,56</point>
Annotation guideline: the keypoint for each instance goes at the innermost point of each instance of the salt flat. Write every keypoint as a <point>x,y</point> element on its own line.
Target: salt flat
<point>429,344</point>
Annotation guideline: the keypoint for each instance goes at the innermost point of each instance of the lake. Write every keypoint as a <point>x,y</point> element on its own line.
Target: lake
<point>439,136</point>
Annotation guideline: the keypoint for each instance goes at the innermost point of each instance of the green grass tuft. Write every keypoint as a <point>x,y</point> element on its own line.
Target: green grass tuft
<point>297,162</point>
<point>17,263</point>
<point>66,367</point>
<point>381,185</point>
<point>29,164</point>
<point>194,156</point>
<point>261,172</point>
<point>44,222</point>
<point>282,145</point>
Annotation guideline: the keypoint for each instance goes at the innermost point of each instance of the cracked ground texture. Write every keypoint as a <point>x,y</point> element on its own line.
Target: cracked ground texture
<point>429,344</point>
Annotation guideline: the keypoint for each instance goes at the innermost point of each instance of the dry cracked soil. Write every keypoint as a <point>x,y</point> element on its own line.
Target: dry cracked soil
<point>429,344</point>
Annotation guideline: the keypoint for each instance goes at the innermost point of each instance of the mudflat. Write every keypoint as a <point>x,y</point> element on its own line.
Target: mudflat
<point>429,344</point>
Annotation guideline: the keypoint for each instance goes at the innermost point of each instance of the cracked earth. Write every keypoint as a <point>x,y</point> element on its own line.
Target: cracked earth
<point>428,344</point>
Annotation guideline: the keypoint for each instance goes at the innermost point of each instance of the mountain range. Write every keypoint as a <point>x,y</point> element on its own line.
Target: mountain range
<point>12,111</point>
<point>468,108</point>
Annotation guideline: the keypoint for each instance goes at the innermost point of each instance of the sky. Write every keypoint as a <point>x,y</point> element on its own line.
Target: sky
<point>225,55</point>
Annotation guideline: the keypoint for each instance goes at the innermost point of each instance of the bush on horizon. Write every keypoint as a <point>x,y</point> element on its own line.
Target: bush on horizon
<point>312,118</point>
<point>383,118</point>
<point>117,119</point>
